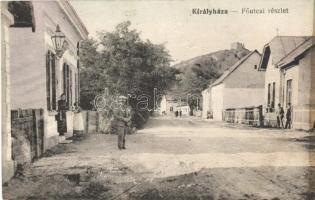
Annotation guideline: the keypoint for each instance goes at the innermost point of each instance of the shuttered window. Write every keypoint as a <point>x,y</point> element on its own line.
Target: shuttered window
<point>289,92</point>
<point>51,81</point>
<point>67,84</point>
<point>273,95</point>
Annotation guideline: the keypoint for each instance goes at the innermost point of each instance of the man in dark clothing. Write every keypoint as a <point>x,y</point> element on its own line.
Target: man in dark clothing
<point>61,117</point>
<point>288,116</point>
<point>280,116</point>
<point>121,119</point>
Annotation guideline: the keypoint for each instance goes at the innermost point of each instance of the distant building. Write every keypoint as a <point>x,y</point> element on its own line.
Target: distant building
<point>240,86</point>
<point>290,78</point>
<point>170,104</point>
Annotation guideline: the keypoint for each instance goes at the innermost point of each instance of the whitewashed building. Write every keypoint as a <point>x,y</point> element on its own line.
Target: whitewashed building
<point>290,78</point>
<point>40,74</point>
<point>242,85</point>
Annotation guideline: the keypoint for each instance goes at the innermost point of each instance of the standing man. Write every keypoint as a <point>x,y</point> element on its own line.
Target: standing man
<point>280,116</point>
<point>121,119</point>
<point>61,117</point>
<point>288,116</point>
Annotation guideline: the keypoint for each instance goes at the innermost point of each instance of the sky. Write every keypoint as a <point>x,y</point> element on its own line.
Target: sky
<point>187,35</point>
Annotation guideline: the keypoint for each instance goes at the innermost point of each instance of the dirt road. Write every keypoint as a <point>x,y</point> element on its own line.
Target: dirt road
<point>176,159</point>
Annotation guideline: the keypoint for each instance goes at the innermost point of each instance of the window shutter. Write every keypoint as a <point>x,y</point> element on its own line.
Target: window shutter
<point>53,87</point>
<point>48,80</point>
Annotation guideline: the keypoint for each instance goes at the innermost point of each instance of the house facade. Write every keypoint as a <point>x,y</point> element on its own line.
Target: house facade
<point>242,85</point>
<point>290,80</point>
<point>38,75</point>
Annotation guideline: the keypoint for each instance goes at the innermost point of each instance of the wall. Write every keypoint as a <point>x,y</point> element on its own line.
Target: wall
<point>163,105</point>
<point>272,74</point>
<point>28,67</point>
<point>217,101</point>
<point>304,104</point>
<point>243,97</point>
<point>244,87</point>
<point>246,75</point>
<point>7,163</point>
<point>206,102</point>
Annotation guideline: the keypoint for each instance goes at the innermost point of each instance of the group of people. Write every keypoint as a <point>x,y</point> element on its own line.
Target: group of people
<point>61,117</point>
<point>120,125</point>
<point>178,113</point>
<point>280,116</point>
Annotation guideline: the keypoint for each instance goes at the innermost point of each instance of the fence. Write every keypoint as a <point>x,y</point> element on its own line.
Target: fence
<point>249,115</point>
<point>94,122</point>
<point>27,129</point>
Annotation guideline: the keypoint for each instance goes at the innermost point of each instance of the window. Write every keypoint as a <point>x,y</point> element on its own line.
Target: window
<point>273,95</point>
<point>51,81</point>
<point>269,96</point>
<point>289,92</point>
<point>255,66</point>
<point>67,84</point>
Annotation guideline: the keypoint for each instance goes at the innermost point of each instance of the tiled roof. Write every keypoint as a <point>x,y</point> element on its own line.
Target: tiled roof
<point>280,46</point>
<point>293,55</point>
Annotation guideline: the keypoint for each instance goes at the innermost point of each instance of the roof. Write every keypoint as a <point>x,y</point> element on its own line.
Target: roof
<point>233,68</point>
<point>74,18</point>
<point>297,52</point>
<point>280,46</point>
<point>23,13</point>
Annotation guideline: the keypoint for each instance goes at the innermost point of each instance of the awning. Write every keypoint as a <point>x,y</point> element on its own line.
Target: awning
<point>23,14</point>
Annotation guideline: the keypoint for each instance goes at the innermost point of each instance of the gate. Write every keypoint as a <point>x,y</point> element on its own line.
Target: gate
<point>27,129</point>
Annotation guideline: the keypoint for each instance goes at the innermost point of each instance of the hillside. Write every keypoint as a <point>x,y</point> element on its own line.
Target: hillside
<point>219,61</point>
<point>197,73</point>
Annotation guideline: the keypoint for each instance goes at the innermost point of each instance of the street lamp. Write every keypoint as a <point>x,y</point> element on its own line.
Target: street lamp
<point>59,42</point>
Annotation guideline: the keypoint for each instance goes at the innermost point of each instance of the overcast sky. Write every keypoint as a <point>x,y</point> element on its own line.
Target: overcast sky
<point>187,35</point>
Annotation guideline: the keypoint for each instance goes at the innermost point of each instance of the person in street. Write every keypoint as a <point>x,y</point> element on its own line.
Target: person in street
<point>121,120</point>
<point>288,117</point>
<point>280,116</point>
<point>78,127</point>
<point>61,117</point>
<point>176,113</point>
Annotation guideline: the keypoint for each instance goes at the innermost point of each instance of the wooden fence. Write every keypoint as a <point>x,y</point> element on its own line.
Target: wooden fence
<point>27,129</point>
<point>249,115</point>
<point>93,122</point>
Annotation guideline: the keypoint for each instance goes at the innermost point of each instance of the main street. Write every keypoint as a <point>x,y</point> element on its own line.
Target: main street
<point>171,158</point>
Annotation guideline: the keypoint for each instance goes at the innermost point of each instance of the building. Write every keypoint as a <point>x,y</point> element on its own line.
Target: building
<point>242,85</point>
<point>7,162</point>
<point>40,72</point>
<point>290,75</point>
<point>168,105</point>
<point>206,103</point>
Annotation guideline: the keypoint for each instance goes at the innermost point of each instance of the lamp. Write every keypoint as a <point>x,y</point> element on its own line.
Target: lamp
<point>59,42</point>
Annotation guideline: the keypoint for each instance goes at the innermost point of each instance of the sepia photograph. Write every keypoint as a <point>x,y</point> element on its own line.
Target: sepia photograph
<point>158,100</point>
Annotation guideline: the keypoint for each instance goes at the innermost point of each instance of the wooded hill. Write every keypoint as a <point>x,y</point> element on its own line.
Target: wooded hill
<point>197,73</point>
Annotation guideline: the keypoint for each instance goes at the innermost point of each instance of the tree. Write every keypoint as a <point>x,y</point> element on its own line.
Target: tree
<point>125,65</point>
<point>193,81</point>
